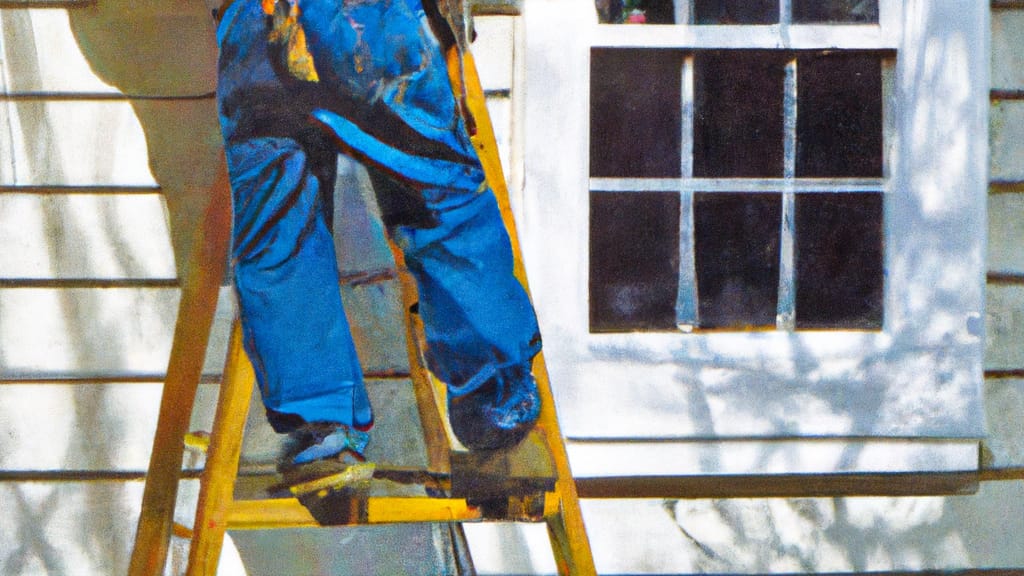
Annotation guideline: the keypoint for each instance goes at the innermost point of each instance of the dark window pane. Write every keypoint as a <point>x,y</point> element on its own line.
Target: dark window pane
<point>634,261</point>
<point>839,261</point>
<point>634,113</point>
<point>839,118</point>
<point>654,11</point>
<point>738,114</point>
<point>737,256</point>
<point>736,11</point>
<point>835,11</point>
<point>636,11</point>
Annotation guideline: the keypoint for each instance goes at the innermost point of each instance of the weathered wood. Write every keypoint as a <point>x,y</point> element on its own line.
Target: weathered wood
<point>568,533</point>
<point>200,288</point>
<point>527,468</point>
<point>218,480</point>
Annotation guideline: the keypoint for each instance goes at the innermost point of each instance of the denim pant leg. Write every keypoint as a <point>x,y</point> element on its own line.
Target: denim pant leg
<point>477,315</point>
<point>294,325</point>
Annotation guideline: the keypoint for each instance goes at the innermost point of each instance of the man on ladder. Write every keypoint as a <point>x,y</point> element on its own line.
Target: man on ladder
<point>299,82</point>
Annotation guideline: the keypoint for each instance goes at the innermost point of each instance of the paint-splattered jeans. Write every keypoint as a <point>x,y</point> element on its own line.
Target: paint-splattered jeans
<point>382,96</point>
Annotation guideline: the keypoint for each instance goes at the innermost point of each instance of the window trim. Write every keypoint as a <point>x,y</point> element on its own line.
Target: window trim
<point>917,379</point>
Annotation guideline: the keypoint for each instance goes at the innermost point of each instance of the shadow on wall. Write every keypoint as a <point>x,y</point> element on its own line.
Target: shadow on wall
<point>165,56</point>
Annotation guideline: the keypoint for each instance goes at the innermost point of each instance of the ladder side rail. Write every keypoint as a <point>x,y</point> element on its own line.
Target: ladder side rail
<point>217,483</point>
<point>200,287</point>
<point>570,544</point>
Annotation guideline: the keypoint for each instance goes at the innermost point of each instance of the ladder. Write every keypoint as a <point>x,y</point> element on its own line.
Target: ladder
<point>530,482</point>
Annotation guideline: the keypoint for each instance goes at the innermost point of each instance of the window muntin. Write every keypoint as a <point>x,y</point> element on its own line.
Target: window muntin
<point>775,123</point>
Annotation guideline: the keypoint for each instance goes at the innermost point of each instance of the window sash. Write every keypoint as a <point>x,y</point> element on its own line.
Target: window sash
<point>765,385</point>
<point>687,298</point>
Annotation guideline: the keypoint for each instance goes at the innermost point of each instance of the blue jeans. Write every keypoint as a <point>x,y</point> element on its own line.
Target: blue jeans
<point>383,96</point>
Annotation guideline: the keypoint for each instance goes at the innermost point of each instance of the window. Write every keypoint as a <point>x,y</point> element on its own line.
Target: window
<point>777,157</point>
<point>751,224</point>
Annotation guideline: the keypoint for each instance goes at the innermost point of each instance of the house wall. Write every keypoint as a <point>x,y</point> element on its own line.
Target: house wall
<point>80,364</point>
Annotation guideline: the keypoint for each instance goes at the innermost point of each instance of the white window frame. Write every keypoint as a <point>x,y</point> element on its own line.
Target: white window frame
<point>915,384</point>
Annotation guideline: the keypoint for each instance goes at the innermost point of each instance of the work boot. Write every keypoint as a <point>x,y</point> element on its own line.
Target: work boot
<point>324,441</point>
<point>324,467</point>
<point>495,409</point>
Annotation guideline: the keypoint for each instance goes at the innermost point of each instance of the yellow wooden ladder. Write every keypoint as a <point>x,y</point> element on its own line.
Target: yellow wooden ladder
<point>531,482</point>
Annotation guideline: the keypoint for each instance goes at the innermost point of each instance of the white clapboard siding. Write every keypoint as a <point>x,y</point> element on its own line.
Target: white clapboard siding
<point>96,427</point>
<point>1006,233</point>
<point>1006,137</point>
<point>1007,49</point>
<point>84,236</point>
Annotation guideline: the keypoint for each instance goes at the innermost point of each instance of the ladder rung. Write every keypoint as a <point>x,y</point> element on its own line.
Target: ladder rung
<point>199,441</point>
<point>181,531</point>
<point>290,513</point>
<point>385,510</point>
<point>1006,186</point>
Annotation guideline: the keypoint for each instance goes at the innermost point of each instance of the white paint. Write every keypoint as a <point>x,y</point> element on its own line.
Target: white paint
<point>919,376</point>
<point>596,459</point>
<point>84,236</point>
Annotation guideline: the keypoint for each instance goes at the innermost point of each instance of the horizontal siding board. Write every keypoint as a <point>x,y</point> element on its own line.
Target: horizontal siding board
<point>88,528</point>
<point>67,331</point>
<point>1004,412</point>
<point>758,457</point>
<point>46,56</point>
<point>1004,327</point>
<point>99,427</point>
<point>1006,124</point>
<point>83,236</point>
<point>1007,49</point>
<point>1006,234</point>
<point>79,528</point>
<point>64,332</point>
<point>96,332</point>
<point>73,143</point>
<point>32,4</point>
<point>113,145</point>
<point>103,429</point>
